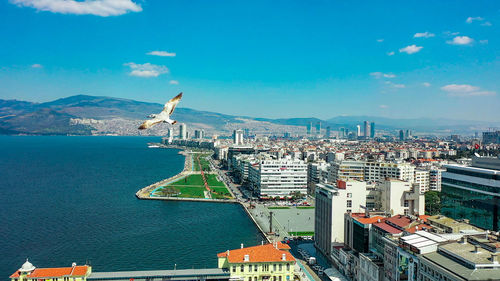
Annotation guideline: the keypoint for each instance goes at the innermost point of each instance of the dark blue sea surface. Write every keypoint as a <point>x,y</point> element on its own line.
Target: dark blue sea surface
<point>72,199</point>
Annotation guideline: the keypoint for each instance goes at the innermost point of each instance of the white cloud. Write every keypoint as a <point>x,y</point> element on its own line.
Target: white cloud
<point>146,69</point>
<point>390,53</point>
<point>461,40</point>
<point>483,41</point>
<point>37,65</point>
<point>486,24</point>
<point>174,82</point>
<point>426,84</point>
<point>383,106</point>
<point>449,33</point>
<point>379,75</point>
<point>394,85</point>
<point>471,19</point>
<point>424,35</point>
<point>103,8</point>
<point>410,49</point>
<point>161,54</point>
<point>380,40</point>
<point>465,90</point>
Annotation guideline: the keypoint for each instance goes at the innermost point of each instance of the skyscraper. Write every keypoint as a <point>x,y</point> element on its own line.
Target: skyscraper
<point>318,128</point>
<point>309,128</point>
<point>358,132</point>
<point>401,135</point>
<point>238,137</point>
<point>366,130</point>
<point>182,132</point>
<point>372,130</point>
<point>328,132</point>
<point>199,134</point>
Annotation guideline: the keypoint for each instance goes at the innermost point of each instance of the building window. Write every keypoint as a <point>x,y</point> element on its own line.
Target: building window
<point>242,268</point>
<point>279,278</point>
<point>406,204</point>
<point>250,268</point>
<point>266,267</point>
<point>274,268</point>
<point>407,212</point>
<point>280,268</point>
<point>349,203</point>
<point>255,268</point>
<point>349,195</point>
<point>234,268</point>
<point>287,267</point>
<point>255,278</point>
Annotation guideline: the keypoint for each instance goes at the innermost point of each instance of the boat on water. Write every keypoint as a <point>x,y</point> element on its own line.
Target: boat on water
<point>153,146</point>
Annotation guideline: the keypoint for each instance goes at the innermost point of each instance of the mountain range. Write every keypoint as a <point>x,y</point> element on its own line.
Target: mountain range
<point>87,115</point>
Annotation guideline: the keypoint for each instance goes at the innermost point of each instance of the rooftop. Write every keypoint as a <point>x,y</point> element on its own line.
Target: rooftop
<point>183,274</point>
<point>56,272</point>
<point>261,253</point>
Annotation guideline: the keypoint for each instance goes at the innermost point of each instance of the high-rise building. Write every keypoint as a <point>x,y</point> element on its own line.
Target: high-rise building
<point>473,192</point>
<point>271,178</point>
<point>358,132</point>
<point>318,128</point>
<point>366,131</point>
<point>238,137</point>
<point>332,202</point>
<point>309,128</point>
<point>342,133</point>
<point>183,132</point>
<point>199,134</point>
<point>491,137</point>
<point>372,130</point>
<point>328,132</point>
<point>401,135</point>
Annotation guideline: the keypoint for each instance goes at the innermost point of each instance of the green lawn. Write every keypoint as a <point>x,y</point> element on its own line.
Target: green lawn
<point>185,191</point>
<point>200,158</point>
<point>213,181</point>
<point>305,207</point>
<point>301,233</point>
<point>190,180</point>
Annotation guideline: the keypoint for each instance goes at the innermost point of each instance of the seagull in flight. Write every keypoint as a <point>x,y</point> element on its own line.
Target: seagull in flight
<point>164,115</point>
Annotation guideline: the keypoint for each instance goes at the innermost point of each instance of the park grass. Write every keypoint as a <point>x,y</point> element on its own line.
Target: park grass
<point>278,207</point>
<point>305,207</point>
<point>185,191</point>
<point>190,180</point>
<point>301,233</point>
<point>213,181</point>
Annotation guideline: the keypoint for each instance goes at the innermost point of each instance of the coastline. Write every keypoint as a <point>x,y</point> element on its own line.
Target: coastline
<point>146,192</point>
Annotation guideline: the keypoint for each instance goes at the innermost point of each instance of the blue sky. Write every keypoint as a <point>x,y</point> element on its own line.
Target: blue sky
<point>400,59</point>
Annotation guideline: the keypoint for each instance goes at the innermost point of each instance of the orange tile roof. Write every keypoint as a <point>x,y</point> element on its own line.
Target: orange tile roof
<point>56,272</point>
<point>261,253</point>
<point>364,220</point>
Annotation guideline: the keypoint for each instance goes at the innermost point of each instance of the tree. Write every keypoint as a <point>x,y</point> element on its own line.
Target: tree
<point>432,202</point>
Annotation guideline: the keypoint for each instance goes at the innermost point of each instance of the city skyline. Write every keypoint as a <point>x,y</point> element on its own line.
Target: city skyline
<point>398,61</point>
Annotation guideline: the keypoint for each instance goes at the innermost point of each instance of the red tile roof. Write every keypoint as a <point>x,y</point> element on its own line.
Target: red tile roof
<point>56,272</point>
<point>387,228</point>
<point>361,217</point>
<point>261,253</point>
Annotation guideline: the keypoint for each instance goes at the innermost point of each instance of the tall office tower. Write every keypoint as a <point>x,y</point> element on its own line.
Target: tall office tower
<point>170,135</point>
<point>309,128</point>
<point>473,192</point>
<point>342,133</point>
<point>346,132</point>
<point>358,133</point>
<point>328,132</point>
<point>199,134</point>
<point>246,133</point>
<point>366,130</point>
<point>401,135</point>
<point>372,130</point>
<point>318,128</point>
<point>183,132</point>
<point>491,137</point>
<point>408,134</point>
<point>238,137</point>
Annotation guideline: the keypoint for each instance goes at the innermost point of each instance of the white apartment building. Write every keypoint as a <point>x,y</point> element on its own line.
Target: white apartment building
<point>345,170</point>
<point>316,173</point>
<point>422,179</point>
<point>435,178</point>
<point>332,202</point>
<point>238,137</point>
<point>400,197</point>
<point>271,178</point>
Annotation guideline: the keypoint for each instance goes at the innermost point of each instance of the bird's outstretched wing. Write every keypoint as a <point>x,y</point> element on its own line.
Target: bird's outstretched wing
<point>171,104</point>
<point>149,123</point>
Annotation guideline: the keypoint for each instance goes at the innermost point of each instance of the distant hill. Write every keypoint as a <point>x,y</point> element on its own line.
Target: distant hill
<point>95,114</point>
